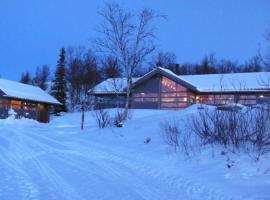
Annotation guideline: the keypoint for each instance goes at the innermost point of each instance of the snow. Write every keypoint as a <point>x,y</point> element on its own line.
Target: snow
<point>14,89</point>
<point>112,85</point>
<point>230,82</point>
<point>58,161</point>
<point>252,81</point>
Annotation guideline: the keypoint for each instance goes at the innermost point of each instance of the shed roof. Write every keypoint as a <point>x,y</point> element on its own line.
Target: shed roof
<point>12,89</point>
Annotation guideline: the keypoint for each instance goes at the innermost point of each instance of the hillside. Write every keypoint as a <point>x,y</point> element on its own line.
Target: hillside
<point>58,161</point>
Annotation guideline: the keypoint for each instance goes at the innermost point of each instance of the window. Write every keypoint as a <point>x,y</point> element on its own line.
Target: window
<point>4,103</point>
<point>224,99</point>
<point>29,106</point>
<point>246,99</point>
<point>173,95</point>
<point>16,104</point>
<point>145,97</point>
<point>205,99</point>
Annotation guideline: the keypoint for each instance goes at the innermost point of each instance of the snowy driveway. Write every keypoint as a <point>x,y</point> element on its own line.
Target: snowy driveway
<point>34,165</point>
<point>58,162</point>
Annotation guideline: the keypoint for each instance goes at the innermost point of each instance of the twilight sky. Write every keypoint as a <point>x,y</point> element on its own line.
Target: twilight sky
<point>32,31</point>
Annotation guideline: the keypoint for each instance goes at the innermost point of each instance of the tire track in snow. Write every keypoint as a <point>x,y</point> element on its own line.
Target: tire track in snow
<point>95,155</point>
<point>21,153</point>
<point>181,184</point>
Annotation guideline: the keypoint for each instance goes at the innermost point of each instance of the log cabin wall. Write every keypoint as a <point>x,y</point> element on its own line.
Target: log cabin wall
<point>4,106</point>
<point>24,109</point>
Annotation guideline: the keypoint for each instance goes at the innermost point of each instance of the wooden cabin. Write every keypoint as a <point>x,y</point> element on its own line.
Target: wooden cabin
<point>162,89</point>
<point>25,101</point>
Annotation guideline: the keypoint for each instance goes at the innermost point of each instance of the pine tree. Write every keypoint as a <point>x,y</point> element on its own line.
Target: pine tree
<point>58,89</point>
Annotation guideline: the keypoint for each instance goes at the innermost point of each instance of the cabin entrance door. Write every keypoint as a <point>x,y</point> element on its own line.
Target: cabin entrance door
<point>42,113</point>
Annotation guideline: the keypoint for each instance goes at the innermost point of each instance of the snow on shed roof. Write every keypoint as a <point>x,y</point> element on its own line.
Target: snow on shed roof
<point>18,90</point>
<point>111,85</point>
<point>229,82</point>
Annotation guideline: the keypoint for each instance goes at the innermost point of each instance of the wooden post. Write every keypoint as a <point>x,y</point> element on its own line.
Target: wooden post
<point>82,118</point>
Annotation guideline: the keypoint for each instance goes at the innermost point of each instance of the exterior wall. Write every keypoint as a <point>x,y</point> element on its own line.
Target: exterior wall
<point>160,92</point>
<point>3,107</point>
<point>109,101</point>
<point>147,95</point>
<point>26,109</point>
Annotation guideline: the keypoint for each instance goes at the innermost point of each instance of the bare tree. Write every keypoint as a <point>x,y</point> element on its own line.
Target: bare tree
<point>267,57</point>
<point>164,59</point>
<point>110,67</point>
<point>41,77</point>
<point>102,118</point>
<point>128,37</point>
<point>82,74</point>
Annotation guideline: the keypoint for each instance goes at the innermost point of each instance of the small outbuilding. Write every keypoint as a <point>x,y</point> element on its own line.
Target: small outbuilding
<point>25,101</point>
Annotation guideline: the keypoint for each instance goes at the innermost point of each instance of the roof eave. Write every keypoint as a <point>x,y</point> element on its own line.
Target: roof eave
<point>25,99</point>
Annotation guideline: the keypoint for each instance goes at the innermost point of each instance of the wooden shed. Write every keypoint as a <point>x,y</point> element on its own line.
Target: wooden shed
<point>26,101</point>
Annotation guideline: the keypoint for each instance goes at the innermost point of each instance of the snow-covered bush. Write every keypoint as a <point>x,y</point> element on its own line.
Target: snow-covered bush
<point>102,118</point>
<point>170,134</point>
<point>247,129</point>
<point>174,134</point>
<point>120,117</point>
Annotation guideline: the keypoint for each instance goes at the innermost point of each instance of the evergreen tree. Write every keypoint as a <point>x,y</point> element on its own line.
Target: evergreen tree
<point>58,89</point>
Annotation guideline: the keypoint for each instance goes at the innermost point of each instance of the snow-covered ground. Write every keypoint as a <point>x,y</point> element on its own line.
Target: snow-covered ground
<point>58,161</point>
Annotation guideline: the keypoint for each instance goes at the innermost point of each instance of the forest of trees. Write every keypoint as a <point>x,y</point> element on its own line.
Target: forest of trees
<point>79,69</point>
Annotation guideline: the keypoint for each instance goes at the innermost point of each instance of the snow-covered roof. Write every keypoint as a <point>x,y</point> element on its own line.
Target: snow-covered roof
<point>252,81</point>
<point>111,85</point>
<point>22,91</point>
<point>229,82</point>
<point>234,82</point>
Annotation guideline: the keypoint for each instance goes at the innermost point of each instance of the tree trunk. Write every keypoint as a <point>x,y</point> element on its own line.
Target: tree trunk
<point>129,83</point>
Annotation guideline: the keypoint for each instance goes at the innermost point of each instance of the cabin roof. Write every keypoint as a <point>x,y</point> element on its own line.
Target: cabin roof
<point>12,89</point>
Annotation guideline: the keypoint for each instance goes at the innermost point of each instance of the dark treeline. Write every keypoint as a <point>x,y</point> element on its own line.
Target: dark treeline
<point>208,65</point>
<point>40,78</point>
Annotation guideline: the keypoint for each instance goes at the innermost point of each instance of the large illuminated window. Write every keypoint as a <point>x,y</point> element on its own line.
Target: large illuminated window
<point>173,95</point>
<point>16,104</point>
<point>206,99</point>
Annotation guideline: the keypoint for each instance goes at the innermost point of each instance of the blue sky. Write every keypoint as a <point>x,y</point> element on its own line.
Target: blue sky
<point>32,31</point>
